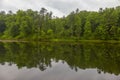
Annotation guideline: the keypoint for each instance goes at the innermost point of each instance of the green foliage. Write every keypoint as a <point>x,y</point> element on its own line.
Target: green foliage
<point>85,25</point>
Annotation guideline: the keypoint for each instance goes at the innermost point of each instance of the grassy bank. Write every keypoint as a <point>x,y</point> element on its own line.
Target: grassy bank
<point>13,41</point>
<point>64,41</point>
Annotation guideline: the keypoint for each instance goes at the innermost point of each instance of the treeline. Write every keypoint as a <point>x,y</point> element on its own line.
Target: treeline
<point>78,25</point>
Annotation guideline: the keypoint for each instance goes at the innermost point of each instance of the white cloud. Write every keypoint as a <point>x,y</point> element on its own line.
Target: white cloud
<point>59,7</point>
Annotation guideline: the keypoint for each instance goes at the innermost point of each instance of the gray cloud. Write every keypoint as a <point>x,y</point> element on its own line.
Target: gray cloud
<point>67,6</point>
<point>59,7</point>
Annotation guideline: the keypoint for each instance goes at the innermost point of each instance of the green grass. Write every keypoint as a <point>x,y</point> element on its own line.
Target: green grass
<point>63,41</point>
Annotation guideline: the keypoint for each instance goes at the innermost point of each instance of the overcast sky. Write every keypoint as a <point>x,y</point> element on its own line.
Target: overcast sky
<point>58,7</point>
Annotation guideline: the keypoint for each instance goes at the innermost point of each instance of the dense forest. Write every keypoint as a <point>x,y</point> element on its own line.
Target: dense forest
<point>103,24</point>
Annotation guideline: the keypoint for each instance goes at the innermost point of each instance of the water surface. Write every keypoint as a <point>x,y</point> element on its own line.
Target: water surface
<point>55,61</point>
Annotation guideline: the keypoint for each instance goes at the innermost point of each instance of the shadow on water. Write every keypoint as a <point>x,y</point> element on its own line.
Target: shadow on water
<point>104,57</point>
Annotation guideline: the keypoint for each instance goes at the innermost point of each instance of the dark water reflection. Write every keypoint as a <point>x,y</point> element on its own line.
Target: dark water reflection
<point>85,61</point>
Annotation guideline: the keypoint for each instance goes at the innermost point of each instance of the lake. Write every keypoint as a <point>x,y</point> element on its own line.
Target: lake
<point>59,61</point>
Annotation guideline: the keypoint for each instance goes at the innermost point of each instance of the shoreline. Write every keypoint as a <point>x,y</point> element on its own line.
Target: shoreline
<point>13,41</point>
<point>68,41</point>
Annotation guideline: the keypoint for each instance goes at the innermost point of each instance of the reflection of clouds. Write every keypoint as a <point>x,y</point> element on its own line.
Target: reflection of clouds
<point>13,73</point>
<point>8,72</point>
<point>59,7</point>
<point>58,71</point>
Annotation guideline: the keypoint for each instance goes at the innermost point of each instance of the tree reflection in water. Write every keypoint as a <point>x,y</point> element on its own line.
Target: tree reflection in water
<point>103,56</point>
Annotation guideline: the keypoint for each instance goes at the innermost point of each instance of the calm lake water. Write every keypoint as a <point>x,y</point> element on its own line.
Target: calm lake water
<point>53,61</point>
